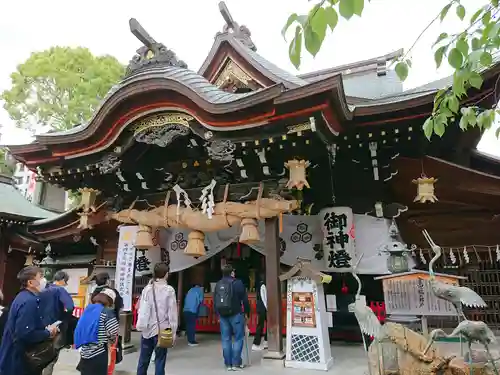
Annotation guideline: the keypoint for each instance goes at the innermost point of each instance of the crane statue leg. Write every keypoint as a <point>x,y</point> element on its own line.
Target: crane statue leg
<point>492,360</point>
<point>461,317</point>
<point>471,371</point>
<point>365,346</point>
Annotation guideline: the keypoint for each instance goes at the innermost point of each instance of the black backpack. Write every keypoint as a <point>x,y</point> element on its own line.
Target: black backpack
<point>223,297</point>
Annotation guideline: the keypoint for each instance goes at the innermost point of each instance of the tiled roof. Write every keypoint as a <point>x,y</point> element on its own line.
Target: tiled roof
<point>15,205</point>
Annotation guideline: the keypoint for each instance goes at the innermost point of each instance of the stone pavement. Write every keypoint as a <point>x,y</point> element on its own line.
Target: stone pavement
<point>349,359</point>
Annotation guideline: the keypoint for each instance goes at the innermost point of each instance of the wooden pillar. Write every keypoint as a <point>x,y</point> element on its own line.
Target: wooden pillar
<point>180,298</point>
<point>273,285</point>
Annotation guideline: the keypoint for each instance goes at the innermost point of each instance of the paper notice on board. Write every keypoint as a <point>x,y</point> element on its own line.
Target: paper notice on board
<point>331,302</point>
<point>330,319</point>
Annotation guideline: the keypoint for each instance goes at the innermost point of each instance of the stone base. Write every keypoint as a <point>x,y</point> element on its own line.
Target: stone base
<point>310,366</point>
<point>272,355</point>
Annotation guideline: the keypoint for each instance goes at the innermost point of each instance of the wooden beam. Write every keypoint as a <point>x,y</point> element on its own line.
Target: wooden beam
<point>273,284</point>
<point>242,192</point>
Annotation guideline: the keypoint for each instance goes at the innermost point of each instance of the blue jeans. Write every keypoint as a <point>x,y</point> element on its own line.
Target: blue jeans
<point>232,326</point>
<point>190,320</point>
<point>147,348</point>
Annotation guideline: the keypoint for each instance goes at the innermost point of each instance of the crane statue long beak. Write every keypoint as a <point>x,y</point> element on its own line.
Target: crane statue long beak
<point>431,242</point>
<point>355,267</point>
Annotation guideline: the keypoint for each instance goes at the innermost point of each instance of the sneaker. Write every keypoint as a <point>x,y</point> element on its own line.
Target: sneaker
<point>256,348</point>
<point>229,369</point>
<point>193,344</point>
<point>264,345</point>
<point>238,368</point>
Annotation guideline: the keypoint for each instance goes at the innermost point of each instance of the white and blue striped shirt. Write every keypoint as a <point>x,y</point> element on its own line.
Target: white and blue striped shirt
<point>106,334</point>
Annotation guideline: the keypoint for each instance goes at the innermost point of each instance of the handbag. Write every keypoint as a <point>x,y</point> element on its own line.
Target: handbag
<point>165,336</point>
<point>119,350</point>
<point>203,311</point>
<point>40,355</point>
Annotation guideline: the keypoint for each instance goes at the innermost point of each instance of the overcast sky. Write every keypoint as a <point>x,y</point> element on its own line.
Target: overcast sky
<point>188,27</point>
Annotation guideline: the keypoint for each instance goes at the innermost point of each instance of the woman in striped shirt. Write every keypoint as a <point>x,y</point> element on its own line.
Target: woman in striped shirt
<point>96,330</point>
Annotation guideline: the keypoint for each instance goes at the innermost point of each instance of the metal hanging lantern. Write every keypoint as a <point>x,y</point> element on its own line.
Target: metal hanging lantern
<point>297,177</point>
<point>398,252</point>
<point>47,264</point>
<point>88,199</point>
<point>425,189</point>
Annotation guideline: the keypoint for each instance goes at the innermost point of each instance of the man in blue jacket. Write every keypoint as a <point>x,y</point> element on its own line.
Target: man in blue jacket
<point>24,326</point>
<point>192,302</point>
<point>231,303</point>
<point>56,305</point>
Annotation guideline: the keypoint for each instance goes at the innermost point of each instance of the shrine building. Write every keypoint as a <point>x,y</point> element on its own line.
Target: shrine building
<point>243,162</point>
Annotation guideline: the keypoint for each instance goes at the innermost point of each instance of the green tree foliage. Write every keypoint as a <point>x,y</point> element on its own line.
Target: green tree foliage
<point>60,87</point>
<point>468,52</point>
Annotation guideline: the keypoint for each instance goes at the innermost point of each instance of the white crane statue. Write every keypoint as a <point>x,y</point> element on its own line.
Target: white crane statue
<point>472,331</point>
<point>457,295</point>
<point>367,320</point>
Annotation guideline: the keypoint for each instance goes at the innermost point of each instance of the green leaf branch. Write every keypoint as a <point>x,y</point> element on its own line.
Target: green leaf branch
<point>468,52</point>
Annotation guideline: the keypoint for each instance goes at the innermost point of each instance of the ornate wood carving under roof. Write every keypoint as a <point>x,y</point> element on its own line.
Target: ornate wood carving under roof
<point>151,53</point>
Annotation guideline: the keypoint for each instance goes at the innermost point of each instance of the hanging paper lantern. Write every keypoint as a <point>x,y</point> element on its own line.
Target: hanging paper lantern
<point>144,239</point>
<point>29,260</point>
<point>87,202</point>
<point>425,189</point>
<point>297,170</point>
<point>196,244</point>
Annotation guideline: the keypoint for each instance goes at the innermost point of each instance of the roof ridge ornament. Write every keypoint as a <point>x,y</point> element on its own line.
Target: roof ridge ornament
<point>241,33</point>
<point>151,53</point>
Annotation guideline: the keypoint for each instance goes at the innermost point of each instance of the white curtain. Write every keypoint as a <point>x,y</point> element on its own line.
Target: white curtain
<point>300,234</point>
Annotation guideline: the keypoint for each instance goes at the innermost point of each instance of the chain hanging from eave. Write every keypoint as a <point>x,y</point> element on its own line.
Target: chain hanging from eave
<point>221,150</point>
<point>108,164</point>
<point>332,154</point>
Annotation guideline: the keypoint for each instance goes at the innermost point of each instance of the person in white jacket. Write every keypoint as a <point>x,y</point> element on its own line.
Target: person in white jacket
<point>258,344</point>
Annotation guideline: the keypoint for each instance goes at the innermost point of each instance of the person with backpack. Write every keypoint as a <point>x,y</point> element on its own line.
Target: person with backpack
<point>258,345</point>
<point>96,330</point>
<point>231,303</point>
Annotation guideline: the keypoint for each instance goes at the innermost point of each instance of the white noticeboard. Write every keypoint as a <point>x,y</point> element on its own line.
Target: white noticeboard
<point>125,264</point>
<point>307,321</point>
<point>75,275</point>
<point>411,294</point>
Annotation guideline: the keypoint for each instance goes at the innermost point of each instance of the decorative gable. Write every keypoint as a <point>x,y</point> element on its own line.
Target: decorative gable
<point>233,78</point>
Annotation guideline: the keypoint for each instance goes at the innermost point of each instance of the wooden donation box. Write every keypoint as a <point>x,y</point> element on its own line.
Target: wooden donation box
<point>410,293</point>
<point>307,340</point>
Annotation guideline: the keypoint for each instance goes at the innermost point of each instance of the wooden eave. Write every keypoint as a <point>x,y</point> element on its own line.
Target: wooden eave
<point>139,94</point>
<point>65,224</point>
<point>466,213</point>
